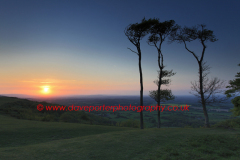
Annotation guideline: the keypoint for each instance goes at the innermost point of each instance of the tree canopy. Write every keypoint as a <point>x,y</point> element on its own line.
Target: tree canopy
<point>165,94</point>
<point>236,103</point>
<point>234,85</point>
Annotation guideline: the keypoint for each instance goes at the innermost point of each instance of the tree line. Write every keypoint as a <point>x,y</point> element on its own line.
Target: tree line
<point>207,90</point>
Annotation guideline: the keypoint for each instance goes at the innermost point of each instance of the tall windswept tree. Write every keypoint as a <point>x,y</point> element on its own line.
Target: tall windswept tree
<point>159,31</point>
<point>135,32</point>
<point>165,94</point>
<point>188,34</point>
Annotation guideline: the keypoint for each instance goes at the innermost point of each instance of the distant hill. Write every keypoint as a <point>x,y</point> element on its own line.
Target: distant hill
<point>27,109</point>
<point>18,95</point>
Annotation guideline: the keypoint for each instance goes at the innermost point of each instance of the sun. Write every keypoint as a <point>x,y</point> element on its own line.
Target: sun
<point>45,89</point>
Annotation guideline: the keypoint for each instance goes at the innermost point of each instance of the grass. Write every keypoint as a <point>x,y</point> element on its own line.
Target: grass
<point>24,139</point>
<point>16,132</point>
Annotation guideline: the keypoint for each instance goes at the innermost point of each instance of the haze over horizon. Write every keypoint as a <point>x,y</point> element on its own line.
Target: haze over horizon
<point>61,48</point>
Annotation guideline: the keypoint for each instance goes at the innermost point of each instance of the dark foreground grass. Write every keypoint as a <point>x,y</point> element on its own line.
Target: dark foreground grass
<point>23,139</point>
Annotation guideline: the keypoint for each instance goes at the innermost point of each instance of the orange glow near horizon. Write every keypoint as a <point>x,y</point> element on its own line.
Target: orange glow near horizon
<point>60,87</point>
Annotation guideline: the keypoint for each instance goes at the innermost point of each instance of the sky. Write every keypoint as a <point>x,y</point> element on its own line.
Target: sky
<point>72,47</point>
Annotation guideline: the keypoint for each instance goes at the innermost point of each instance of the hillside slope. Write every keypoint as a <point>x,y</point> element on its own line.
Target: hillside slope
<point>26,109</point>
<point>24,139</point>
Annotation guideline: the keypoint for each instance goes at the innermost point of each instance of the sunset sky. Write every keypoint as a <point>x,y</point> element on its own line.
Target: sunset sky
<point>78,47</point>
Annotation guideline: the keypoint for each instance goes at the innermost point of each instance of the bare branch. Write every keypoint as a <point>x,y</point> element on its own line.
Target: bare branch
<point>132,51</point>
<point>211,88</point>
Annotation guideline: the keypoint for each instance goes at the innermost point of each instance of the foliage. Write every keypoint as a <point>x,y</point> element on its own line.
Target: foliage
<point>135,32</point>
<point>236,109</point>
<point>165,73</point>
<point>230,123</point>
<point>165,94</point>
<point>159,31</point>
<point>129,123</point>
<point>234,85</point>
<point>49,118</point>
<point>188,34</point>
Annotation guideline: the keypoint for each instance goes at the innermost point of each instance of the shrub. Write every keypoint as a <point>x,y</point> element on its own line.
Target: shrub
<point>187,126</point>
<point>49,118</point>
<point>129,123</point>
<point>230,123</point>
<point>67,117</point>
<point>75,117</point>
<point>85,117</point>
<point>236,109</point>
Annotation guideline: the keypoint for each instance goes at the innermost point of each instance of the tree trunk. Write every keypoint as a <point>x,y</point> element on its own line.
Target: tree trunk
<point>159,97</point>
<point>141,86</point>
<point>202,95</point>
<point>159,87</point>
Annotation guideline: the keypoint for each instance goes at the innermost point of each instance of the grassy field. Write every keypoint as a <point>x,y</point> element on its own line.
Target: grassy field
<point>25,139</point>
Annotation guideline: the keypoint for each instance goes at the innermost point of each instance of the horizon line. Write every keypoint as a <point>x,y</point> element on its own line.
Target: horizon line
<point>34,96</point>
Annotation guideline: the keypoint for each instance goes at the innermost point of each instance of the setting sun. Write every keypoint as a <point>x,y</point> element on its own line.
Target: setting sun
<point>45,90</point>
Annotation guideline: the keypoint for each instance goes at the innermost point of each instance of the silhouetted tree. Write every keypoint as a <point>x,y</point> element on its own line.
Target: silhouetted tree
<point>188,34</point>
<point>234,88</point>
<point>165,94</point>
<point>159,32</point>
<point>135,32</point>
<point>236,103</point>
<point>234,85</point>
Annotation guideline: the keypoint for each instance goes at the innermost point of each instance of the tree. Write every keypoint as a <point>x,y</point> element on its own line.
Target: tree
<point>165,94</point>
<point>212,89</point>
<point>234,85</point>
<point>159,32</point>
<point>236,103</point>
<point>188,34</point>
<point>234,88</point>
<point>135,33</point>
